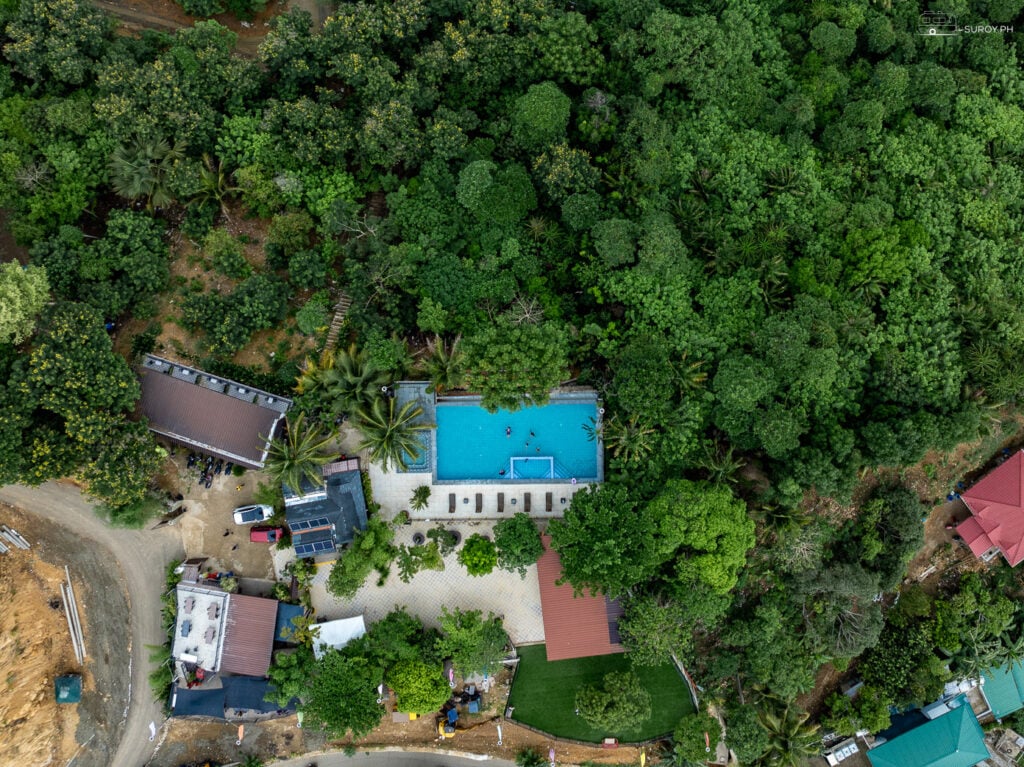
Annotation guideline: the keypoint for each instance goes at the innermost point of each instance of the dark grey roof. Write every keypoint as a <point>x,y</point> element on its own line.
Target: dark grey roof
<point>236,693</point>
<point>341,503</point>
<point>213,414</point>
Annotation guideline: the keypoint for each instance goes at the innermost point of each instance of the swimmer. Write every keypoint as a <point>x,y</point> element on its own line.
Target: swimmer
<point>532,434</point>
<point>508,431</point>
<point>501,473</point>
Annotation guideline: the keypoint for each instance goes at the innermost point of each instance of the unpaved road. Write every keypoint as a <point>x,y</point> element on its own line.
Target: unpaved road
<point>142,557</point>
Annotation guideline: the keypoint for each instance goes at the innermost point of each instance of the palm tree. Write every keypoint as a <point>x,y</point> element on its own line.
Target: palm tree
<point>140,170</point>
<point>720,464</point>
<point>791,740</point>
<point>631,440</point>
<point>354,381</point>
<point>299,455</point>
<point>214,184</point>
<point>445,364</point>
<point>391,437</point>
<point>344,381</point>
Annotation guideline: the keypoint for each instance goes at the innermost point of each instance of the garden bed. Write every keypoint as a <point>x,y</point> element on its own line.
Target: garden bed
<point>544,694</point>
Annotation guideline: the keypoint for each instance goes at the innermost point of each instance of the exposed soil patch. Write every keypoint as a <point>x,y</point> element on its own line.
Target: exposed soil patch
<point>36,646</point>
<point>191,273</point>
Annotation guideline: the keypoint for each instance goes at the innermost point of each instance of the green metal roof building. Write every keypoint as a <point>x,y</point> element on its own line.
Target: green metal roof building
<point>1003,688</point>
<point>953,740</point>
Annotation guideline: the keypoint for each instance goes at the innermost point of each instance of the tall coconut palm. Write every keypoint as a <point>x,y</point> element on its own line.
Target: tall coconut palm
<point>390,436</point>
<point>445,364</point>
<point>342,381</point>
<point>299,455</point>
<point>140,170</point>
<point>791,740</point>
<point>631,440</point>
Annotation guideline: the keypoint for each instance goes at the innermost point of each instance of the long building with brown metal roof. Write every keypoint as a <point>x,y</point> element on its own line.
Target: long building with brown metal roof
<point>213,414</point>
<point>574,626</point>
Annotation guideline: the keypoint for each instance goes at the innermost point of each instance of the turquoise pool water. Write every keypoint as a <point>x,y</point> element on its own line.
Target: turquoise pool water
<point>546,443</point>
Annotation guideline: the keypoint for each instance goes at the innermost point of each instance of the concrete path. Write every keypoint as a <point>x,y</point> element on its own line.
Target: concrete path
<point>143,557</point>
<point>500,592</point>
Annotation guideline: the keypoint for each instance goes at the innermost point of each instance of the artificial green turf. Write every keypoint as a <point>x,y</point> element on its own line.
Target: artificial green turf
<point>544,695</point>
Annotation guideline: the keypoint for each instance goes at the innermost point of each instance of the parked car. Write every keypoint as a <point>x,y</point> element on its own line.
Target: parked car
<point>246,515</point>
<point>265,534</point>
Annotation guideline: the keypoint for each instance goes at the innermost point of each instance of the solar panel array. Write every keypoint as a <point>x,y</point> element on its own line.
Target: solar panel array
<point>309,524</point>
<point>316,547</point>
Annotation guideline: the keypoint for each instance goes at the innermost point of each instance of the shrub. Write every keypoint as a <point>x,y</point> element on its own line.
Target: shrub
<point>226,254</point>
<point>478,555</point>
<point>314,314</point>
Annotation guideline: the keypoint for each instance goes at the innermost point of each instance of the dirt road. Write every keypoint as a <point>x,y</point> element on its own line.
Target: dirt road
<point>141,557</point>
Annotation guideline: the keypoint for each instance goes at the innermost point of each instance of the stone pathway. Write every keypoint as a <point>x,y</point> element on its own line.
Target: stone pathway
<point>503,593</point>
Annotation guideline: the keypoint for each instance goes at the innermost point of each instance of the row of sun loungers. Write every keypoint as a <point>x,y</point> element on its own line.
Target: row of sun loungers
<point>548,502</point>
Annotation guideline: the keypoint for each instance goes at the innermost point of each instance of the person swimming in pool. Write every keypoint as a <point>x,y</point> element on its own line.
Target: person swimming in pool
<point>501,473</point>
<point>508,431</point>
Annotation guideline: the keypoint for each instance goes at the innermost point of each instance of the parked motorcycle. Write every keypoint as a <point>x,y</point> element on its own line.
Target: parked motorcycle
<point>220,466</point>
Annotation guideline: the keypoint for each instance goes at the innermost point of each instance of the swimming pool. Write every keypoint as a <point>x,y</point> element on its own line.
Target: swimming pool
<point>534,444</point>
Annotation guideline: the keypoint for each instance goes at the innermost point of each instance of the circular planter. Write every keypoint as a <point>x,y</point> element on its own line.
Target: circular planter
<point>458,537</point>
<point>418,539</point>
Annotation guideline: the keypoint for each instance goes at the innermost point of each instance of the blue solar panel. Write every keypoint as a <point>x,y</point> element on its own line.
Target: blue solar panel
<point>309,524</point>
<point>304,549</point>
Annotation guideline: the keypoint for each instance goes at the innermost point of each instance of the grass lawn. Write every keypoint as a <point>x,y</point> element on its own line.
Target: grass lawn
<point>544,695</point>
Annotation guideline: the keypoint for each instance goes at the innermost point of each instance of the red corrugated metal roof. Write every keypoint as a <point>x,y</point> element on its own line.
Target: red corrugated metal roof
<point>210,420</point>
<point>574,627</point>
<point>970,530</point>
<point>997,503</point>
<point>249,636</point>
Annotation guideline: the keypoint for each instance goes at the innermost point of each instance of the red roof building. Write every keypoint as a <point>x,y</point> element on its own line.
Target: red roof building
<point>996,503</point>
<point>249,635</point>
<point>574,626</point>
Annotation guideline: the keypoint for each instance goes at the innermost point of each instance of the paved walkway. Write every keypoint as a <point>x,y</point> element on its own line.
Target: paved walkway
<point>503,593</point>
<point>393,492</point>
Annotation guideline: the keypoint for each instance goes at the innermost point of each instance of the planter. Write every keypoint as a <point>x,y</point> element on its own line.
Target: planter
<point>418,539</point>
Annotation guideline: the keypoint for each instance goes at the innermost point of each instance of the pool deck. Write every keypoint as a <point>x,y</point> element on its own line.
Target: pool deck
<point>393,492</point>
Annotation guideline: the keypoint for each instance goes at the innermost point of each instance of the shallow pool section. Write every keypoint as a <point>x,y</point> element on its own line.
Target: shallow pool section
<point>534,444</point>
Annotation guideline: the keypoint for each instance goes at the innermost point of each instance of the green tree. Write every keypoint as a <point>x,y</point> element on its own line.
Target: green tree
<point>654,629</point>
<point>341,696</point>
<point>478,555</point>
<point>299,456</point>
<point>391,436</point>
<point>475,644</point>
<point>56,41</point>
<point>419,687</point>
<point>513,364</point>
<point>23,294</point>
<point>518,542</point>
<point>707,529</point>
<point>290,674</point>
<point>605,542</point>
<point>689,741</point>
<point>371,549</point>
<point>540,116</point>
<point>343,381</point>
<point>618,705</point>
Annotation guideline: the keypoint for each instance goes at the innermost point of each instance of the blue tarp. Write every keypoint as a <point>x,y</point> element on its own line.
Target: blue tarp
<point>285,613</point>
<point>247,692</point>
<point>238,693</point>
<point>198,702</point>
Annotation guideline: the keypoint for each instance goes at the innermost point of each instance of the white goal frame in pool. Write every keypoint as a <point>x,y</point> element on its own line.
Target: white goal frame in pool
<point>523,459</point>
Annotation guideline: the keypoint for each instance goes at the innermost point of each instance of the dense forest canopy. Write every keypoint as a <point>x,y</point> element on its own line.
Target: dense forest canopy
<point>768,232</point>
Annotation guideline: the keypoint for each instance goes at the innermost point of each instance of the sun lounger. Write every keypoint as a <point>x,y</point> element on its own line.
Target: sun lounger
<point>501,503</point>
<point>526,502</point>
<point>479,502</point>
<point>451,503</point>
<point>548,501</point>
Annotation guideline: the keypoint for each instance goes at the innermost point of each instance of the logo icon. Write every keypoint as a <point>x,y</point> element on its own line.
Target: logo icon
<point>933,23</point>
